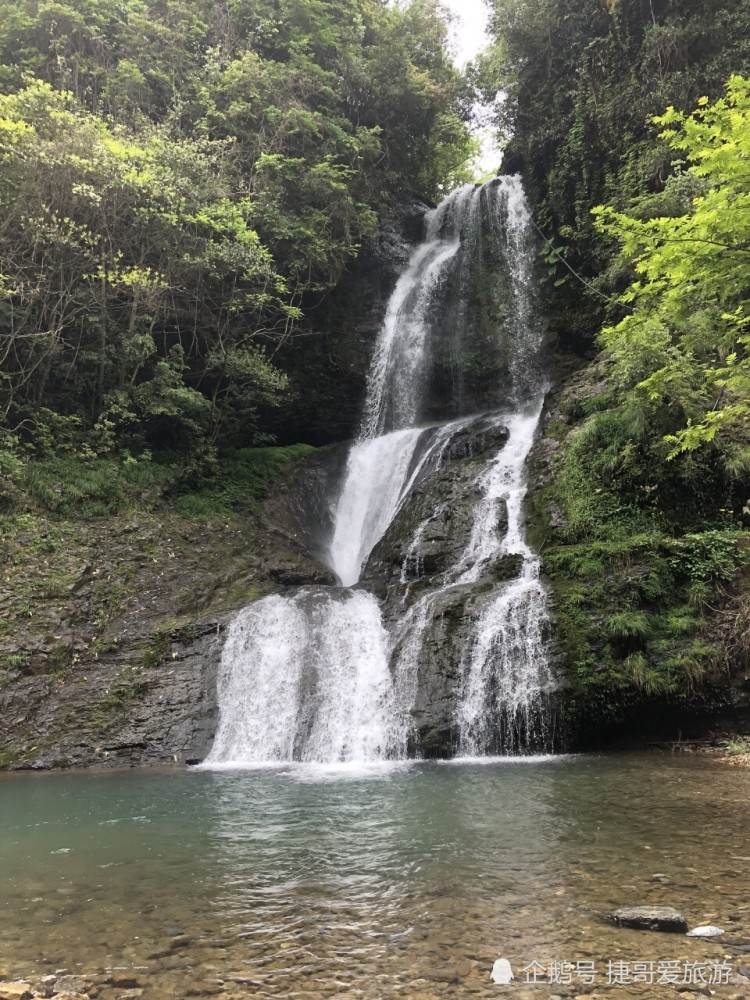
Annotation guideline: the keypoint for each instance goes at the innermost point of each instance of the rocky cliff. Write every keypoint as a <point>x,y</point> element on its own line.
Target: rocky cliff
<point>114,661</point>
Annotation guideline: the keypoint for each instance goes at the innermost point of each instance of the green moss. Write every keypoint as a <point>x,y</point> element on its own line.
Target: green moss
<point>556,430</point>
<point>245,479</point>
<point>53,585</point>
<point>101,646</point>
<point>95,487</point>
<point>157,650</point>
<point>8,758</point>
<point>238,594</point>
<point>639,553</point>
<point>130,686</point>
<point>19,662</point>
<point>60,658</point>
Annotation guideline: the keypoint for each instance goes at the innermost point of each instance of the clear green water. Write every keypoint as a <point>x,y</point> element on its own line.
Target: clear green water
<point>409,881</point>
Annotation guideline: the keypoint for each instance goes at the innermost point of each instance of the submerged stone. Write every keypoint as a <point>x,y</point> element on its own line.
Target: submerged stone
<point>72,984</point>
<point>650,918</point>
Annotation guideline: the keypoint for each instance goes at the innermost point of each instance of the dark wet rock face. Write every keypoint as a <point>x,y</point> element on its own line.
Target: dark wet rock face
<point>439,674</point>
<point>328,362</point>
<point>440,508</point>
<point>410,570</point>
<point>116,712</point>
<point>301,514</point>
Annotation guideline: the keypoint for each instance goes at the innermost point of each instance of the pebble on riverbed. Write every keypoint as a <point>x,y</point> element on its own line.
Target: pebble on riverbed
<point>650,918</point>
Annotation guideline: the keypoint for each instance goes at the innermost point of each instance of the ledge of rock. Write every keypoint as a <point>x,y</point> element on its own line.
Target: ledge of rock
<point>650,918</point>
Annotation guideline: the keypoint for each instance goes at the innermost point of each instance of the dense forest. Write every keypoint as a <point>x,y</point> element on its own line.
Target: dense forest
<point>179,181</point>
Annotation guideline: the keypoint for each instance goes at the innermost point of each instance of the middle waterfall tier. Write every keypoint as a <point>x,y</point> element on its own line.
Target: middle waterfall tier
<point>443,645</point>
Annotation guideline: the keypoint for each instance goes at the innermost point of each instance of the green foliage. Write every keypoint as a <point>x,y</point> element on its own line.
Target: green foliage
<point>626,622</point>
<point>95,487</point>
<point>651,480</point>
<point>246,478</point>
<point>582,81</point>
<point>108,239</point>
<point>129,686</point>
<point>157,650</point>
<point>16,661</point>
<point>178,187</point>
<point>628,625</point>
<point>642,553</point>
<point>687,325</point>
<point>61,658</point>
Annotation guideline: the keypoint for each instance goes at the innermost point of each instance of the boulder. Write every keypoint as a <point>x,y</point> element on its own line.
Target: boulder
<point>15,991</point>
<point>45,986</point>
<point>650,918</point>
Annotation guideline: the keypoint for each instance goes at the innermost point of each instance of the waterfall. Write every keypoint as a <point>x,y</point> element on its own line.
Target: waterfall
<point>398,370</point>
<point>321,675</point>
<point>318,685</point>
<point>380,473</point>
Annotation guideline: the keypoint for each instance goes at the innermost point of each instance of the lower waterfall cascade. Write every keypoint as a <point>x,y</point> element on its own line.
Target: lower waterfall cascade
<point>329,674</point>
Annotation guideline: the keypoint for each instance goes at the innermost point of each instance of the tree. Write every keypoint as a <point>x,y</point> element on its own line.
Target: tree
<point>115,250</point>
<point>685,342</point>
<point>181,181</point>
<point>582,80</point>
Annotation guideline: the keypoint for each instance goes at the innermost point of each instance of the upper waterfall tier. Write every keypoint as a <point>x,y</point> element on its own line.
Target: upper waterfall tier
<point>460,333</point>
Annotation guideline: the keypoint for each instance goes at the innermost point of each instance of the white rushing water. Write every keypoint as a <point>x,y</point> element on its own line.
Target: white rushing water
<point>377,473</point>
<point>315,676</point>
<point>380,474</point>
<point>506,666</point>
<point>503,481</point>
<point>305,678</point>
<point>398,369</point>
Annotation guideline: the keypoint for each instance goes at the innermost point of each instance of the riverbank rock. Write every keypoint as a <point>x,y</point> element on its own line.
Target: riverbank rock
<point>650,918</point>
<point>45,986</point>
<point>15,991</point>
<point>71,985</point>
<point>706,931</point>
